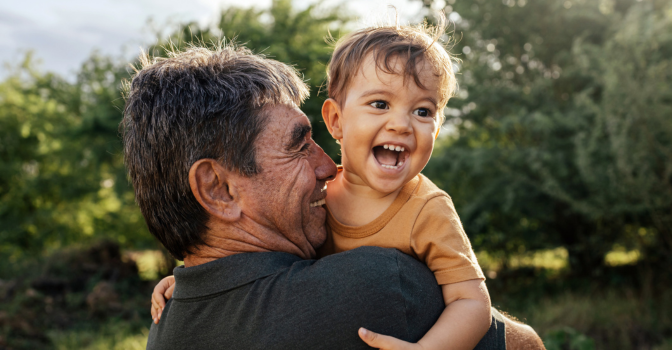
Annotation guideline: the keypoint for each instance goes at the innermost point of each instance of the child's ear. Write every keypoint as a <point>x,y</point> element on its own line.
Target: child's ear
<point>438,130</point>
<point>331,113</point>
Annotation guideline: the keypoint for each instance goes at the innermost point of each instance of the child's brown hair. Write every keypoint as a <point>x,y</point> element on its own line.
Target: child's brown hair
<point>386,43</point>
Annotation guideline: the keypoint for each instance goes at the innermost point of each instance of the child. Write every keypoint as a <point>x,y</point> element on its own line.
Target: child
<point>387,90</point>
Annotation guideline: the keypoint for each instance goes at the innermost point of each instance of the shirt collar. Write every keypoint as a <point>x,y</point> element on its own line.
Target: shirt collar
<point>228,273</point>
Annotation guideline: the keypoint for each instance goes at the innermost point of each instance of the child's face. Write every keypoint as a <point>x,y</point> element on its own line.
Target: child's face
<point>387,126</point>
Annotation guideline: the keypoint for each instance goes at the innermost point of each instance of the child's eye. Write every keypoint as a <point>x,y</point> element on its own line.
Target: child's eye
<point>379,104</point>
<point>422,112</point>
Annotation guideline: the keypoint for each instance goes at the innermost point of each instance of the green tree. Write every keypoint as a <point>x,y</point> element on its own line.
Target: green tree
<point>62,179</point>
<point>561,130</point>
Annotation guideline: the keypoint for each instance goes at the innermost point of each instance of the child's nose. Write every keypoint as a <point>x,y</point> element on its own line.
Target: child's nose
<point>400,123</point>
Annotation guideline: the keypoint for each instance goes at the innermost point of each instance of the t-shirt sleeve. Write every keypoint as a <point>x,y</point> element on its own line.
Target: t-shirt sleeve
<point>439,240</point>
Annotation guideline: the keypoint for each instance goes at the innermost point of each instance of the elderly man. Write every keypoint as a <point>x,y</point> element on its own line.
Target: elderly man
<point>229,180</point>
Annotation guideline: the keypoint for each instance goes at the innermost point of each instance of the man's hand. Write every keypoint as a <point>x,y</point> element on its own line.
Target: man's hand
<point>385,342</point>
<point>162,292</point>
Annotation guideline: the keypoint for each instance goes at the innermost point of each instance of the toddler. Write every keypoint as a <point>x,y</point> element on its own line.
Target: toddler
<point>387,88</point>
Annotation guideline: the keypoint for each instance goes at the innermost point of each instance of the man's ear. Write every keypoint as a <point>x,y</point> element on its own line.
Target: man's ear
<point>331,113</point>
<point>212,186</point>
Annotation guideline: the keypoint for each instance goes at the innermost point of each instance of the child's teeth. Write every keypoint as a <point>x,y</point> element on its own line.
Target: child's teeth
<point>394,148</point>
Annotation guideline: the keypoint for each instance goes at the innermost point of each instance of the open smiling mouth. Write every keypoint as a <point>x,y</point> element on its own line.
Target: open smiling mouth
<point>390,156</point>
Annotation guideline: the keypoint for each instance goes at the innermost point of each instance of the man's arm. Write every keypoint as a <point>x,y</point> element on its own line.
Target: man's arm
<point>521,336</point>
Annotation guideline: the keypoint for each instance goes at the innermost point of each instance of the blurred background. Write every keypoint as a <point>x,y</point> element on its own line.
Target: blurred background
<point>557,151</point>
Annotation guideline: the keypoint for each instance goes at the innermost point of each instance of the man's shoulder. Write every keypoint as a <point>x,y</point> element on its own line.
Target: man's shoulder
<point>379,268</point>
<point>378,265</point>
<point>364,260</point>
<point>381,289</point>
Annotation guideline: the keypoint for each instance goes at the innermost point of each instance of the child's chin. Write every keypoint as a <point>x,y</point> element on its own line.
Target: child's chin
<point>388,185</point>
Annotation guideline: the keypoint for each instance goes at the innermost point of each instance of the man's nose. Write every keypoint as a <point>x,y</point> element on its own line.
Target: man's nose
<point>399,122</point>
<point>325,168</point>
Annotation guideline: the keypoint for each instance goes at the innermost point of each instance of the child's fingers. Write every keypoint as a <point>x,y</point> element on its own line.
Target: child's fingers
<point>162,291</point>
<point>158,301</point>
<point>157,306</point>
<point>169,292</point>
<point>157,298</point>
<point>385,342</point>
<point>155,315</point>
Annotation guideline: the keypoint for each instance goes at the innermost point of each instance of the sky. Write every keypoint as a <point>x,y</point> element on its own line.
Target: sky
<point>63,33</point>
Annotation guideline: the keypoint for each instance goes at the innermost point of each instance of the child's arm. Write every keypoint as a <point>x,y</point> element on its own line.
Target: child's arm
<point>462,324</point>
<point>162,292</point>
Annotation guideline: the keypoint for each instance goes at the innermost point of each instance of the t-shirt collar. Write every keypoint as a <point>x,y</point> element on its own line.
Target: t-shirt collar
<point>228,273</point>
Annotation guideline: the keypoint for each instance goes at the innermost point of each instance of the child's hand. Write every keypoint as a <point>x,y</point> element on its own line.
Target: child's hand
<point>162,292</point>
<point>385,342</point>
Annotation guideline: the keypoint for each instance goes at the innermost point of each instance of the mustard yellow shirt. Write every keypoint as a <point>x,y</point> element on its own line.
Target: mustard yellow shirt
<point>421,222</point>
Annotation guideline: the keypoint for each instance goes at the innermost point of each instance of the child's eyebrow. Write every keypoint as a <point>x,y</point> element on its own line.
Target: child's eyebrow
<point>432,101</point>
<point>375,92</point>
<point>298,135</point>
<point>388,93</point>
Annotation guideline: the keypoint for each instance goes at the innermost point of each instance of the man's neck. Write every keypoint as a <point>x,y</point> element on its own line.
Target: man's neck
<point>201,257</point>
<point>226,240</point>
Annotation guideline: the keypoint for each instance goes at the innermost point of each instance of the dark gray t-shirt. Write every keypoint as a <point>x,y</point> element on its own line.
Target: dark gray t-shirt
<point>280,301</point>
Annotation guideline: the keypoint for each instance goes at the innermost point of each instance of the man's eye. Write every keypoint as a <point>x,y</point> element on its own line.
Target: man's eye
<point>305,147</point>
<point>379,104</point>
<point>422,112</point>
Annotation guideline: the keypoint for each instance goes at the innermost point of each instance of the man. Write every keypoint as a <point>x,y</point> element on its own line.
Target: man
<point>229,180</point>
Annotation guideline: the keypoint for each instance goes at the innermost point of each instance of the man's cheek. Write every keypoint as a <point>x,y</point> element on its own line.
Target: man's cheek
<point>304,177</point>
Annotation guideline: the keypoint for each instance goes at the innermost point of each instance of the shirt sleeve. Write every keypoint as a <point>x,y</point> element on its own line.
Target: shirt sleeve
<point>439,240</point>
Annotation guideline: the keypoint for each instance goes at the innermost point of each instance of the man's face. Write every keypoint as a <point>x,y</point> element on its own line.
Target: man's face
<point>287,196</point>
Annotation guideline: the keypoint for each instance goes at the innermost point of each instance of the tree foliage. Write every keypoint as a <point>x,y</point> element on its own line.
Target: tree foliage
<point>62,179</point>
<point>562,133</point>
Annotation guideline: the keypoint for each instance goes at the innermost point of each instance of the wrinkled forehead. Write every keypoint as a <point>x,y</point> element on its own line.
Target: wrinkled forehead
<point>285,126</point>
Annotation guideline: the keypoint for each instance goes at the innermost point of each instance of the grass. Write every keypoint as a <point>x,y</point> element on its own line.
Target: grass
<point>612,319</point>
<point>621,308</point>
<point>115,335</point>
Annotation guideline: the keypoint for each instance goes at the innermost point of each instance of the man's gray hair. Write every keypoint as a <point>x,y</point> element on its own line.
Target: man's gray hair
<point>196,104</point>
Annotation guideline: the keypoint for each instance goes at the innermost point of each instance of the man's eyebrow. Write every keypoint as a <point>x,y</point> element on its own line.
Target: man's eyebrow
<point>298,135</point>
